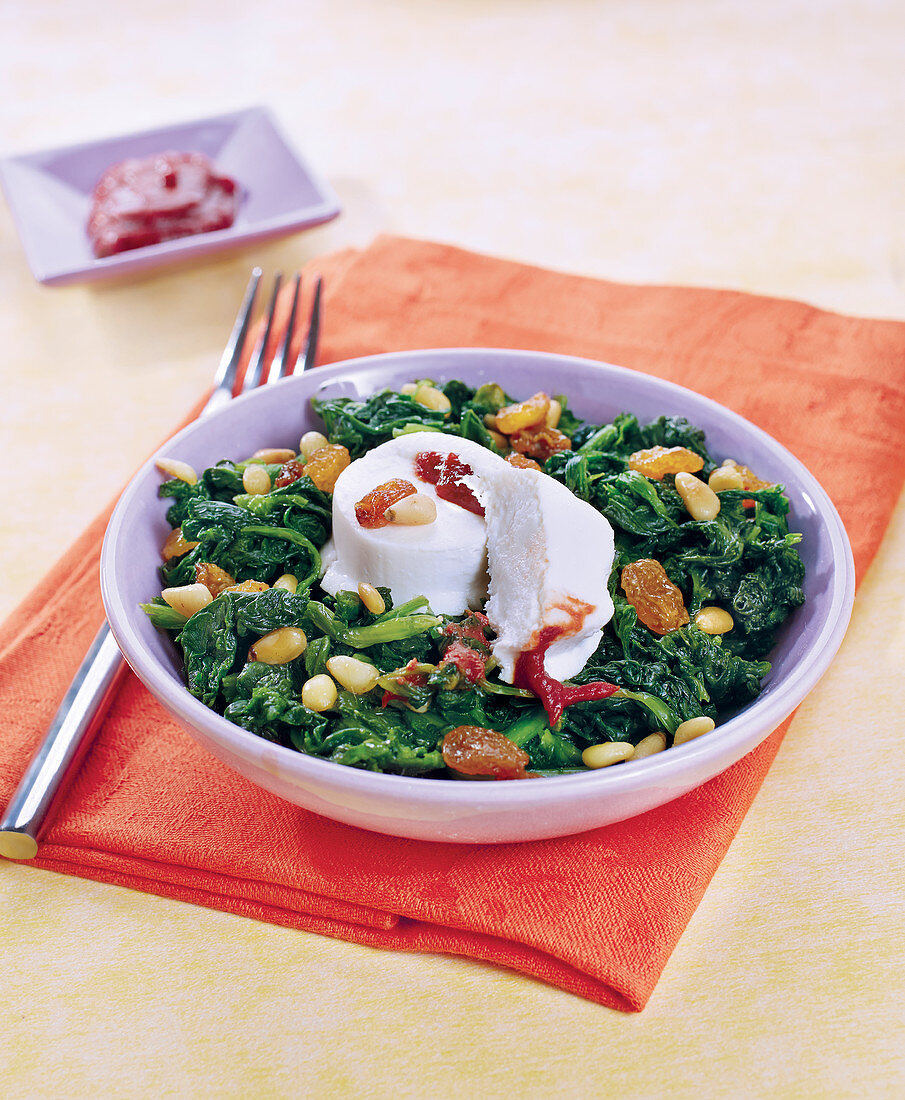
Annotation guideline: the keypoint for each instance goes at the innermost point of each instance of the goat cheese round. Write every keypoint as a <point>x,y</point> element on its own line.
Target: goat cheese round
<point>444,561</point>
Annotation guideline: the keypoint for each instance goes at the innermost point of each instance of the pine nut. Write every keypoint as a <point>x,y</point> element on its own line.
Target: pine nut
<point>273,455</point>
<point>319,693</point>
<point>499,439</point>
<point>553,414</point>
<point>371,598</point>
<point>694,727</point>
<point>288,581</point>
<point>714,620</point>
<point>490,422</point>
<point>700,500</point>
<point>409,389</point>
<point>412,511</point>
<point>725,477</point>
<point>188,598</point>
<point>610,752</point>
<point>311,442</point>
<point>279,647</point>
<point>256,480</point>
<point>432,398</point>
<point>650,745</point>
<point>175,545</point>
<point>175,468</point>
<point>729,462</point>
<point>354,675</point>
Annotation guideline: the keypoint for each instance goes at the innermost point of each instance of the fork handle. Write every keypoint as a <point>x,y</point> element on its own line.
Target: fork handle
<point>59,754</point>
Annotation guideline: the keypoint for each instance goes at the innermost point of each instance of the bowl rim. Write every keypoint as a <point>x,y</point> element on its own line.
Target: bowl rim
<point>738,735</point>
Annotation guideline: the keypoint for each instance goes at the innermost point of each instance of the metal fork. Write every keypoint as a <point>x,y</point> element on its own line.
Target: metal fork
<point>58,756</point>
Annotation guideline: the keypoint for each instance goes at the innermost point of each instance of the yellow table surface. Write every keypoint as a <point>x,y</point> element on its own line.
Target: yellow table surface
<point>733,144</point>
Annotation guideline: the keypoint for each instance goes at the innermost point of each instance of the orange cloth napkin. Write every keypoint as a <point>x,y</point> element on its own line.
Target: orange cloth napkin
<point>597,914</point>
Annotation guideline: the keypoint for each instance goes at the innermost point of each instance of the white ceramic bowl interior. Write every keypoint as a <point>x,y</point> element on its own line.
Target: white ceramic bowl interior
<point>460,811</point>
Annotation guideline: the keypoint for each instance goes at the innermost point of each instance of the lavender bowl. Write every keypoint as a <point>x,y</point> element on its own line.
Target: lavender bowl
<point>479,812</point>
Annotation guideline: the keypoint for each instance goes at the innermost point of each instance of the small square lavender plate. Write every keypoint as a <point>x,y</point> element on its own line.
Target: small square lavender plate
<point>49,193</point>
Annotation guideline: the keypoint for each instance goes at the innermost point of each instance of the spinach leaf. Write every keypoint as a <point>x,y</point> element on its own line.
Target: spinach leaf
<point>384,739</point>
<point>361,425</point>
<point>266,699</point>
<point>247,546</point>
<point>632,502</point>
<point>215,640</point>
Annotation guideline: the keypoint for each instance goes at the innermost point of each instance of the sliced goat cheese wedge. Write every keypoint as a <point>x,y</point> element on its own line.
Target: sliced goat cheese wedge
<point>549,555</point>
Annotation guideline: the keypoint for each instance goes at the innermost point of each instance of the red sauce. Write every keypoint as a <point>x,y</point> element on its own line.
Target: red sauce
<point>159,198</point>
<point>446,472</point>
<point>531,674</point>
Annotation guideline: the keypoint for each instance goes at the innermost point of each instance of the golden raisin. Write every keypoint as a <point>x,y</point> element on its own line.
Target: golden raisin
<point>751,481</point>
<point>326,464</point>
<point>657,601</point>
<point>540,442</point>
<point>214,579</point>
<point>473,750</point>
<point>656,462</point>
<point>248,586</point>
<point>523,462</point>
<point>175,545</point>
<point>524,414</point>
<point>370,511</point>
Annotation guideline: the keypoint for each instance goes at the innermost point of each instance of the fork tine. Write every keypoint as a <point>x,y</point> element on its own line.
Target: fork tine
<point>225,377</point>
<point>278,366</point>
<point>256,365</point>
<point>308,353</point>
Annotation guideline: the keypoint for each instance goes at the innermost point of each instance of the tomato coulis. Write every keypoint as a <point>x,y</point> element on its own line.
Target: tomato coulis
<point>446,472</point>
<point>531,674</point>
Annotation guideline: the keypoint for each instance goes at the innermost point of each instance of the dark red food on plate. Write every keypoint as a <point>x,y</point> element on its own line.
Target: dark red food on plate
<point>159,198</point>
